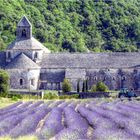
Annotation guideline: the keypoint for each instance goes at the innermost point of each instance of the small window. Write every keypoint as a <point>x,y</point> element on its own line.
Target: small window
<point>36,55</point>
<point>108,69</point>
<point>95,78</point>
<point>9,55</point>
<point>21,82</point>
<point>113,78</point>
<point>32,82</point>
<point>123,78</point>
<point>24,33</point>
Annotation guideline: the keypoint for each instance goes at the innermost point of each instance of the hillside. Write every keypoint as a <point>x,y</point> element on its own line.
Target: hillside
<point>75,25</point>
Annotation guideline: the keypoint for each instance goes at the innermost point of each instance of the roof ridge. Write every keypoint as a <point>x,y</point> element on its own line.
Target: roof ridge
<point>24,19</point>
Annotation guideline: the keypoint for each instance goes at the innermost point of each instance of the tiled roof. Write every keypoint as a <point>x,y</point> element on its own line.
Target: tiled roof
<point>27,44</point>
<point>22,62</point>
<point>90,60</point>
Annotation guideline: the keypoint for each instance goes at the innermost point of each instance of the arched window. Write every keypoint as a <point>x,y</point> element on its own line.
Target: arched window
<point>23,33</point>
<point>95,78</point>
<point>32,82</point>
<point>9,55</point>
<point>113,78</point>
<point>123,78</point>
<point>36,55</point>
<point>21,82</point>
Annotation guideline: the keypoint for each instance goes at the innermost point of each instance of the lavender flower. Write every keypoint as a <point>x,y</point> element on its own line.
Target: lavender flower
<point>52,125</point>
<point>29,123</point>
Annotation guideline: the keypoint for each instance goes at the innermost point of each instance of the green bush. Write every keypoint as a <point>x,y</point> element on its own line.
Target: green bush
<point>99,87</point>
<point>74,96</point>
<point>30,96</point>
<point>14,98</point>
<point>66,86</point>
<point>15,95</point>
<point>50,96</point>
<point>4,83</point>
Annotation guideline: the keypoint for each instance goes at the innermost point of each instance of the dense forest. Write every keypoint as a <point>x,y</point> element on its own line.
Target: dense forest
<point>75,25</point>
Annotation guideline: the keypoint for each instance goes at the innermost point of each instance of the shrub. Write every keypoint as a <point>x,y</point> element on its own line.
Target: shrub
<point>50,96</point>
<point>4,83</point>
<point>93,88</point>
<point>14,98</point>
<point>15,95</point>
<point>74,96</point>
<point>99,87</point>
<point>66,86</point>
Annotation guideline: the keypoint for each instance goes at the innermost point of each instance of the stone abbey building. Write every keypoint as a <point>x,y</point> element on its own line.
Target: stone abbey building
<point>32,66</point>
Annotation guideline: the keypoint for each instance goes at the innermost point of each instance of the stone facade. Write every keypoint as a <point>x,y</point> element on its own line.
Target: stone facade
<point>32,66</point>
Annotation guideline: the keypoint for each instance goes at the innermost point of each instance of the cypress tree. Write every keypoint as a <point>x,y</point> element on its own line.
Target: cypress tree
<point>86,83</point>
<point>78,86</point>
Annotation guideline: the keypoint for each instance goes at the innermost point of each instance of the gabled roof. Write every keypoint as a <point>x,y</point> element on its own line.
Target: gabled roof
<point>91,60</point>
<point>24,22</point>
<point>27,44</point>
<point>22,62</point>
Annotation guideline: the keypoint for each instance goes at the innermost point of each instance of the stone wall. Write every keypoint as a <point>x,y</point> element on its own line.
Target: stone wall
<point>52,79</point>
<point>26,75</point>
<point>113,78</point>
<point>116,70</point>
<point>15,76</point>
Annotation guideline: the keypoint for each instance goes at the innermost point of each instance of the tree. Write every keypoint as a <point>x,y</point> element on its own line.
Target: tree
<point>78,86</point>
<point>82,25</point>
<point>66,86</point>
<point>86,82</point>
<point>2,45</point>
<point>4,83</point>
<point>100,86</point>
<point>84,86</point>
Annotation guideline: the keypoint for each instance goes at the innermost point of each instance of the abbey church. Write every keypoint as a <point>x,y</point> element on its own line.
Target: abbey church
<point>32,66</point>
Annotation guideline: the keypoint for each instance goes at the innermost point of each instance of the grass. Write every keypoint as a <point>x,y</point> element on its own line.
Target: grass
<point>5,102</point>
<point>20,138</point>
<point>114,94</point>
<point>51,91</point>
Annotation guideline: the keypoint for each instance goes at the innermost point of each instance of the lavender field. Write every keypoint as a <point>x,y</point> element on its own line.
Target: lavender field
<point>72,120</point>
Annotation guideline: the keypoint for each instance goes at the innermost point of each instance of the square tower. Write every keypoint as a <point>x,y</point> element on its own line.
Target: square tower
<point>24,29</point>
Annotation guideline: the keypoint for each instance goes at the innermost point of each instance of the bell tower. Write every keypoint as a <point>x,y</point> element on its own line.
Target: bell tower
<point>24,29</point>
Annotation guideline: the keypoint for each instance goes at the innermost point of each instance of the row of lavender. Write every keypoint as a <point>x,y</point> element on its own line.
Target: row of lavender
<point>72,120</point>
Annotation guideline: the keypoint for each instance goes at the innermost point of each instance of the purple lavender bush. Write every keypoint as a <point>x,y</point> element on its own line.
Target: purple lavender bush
<point>52,125</point>
<point>29,123</point>
<point>75,121</point>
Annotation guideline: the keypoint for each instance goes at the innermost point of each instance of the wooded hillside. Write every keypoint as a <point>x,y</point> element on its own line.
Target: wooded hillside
<point>75,25</point>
